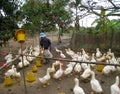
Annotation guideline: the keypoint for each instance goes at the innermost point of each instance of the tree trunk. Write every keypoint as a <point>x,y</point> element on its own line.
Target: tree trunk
<point>59,37</point>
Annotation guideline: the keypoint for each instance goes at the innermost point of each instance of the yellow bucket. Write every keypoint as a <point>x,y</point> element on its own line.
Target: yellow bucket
<point>20,35</point>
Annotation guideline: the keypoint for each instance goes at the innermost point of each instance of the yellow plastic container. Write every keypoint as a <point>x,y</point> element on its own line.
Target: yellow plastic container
<point>100,68</point>
<point>8,81</point>
<point>20,35</point>
<point>34,68</point>
<point>30,77</point>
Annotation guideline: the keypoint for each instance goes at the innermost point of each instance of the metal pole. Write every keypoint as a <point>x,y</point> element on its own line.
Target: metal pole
<point>23,71</point>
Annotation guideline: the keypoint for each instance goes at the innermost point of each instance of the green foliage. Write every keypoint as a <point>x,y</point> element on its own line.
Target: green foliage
<point>8,20</point>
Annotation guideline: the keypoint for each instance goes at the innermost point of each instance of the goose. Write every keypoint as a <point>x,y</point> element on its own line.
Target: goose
<point>59,72</point>
<point>114,87</point>
<point>77,89</point>
<point>44,80</point>
<point>95,85</point>
<point>86,72</point>
<point>77,68</point>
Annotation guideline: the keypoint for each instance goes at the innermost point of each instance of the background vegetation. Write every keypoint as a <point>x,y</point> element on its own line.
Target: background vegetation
<point>37,16</point>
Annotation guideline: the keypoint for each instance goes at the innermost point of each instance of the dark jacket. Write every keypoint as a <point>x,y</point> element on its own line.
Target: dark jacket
<point>45,43</point>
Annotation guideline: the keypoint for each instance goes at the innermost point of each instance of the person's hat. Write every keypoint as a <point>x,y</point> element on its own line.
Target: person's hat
<point>42,35</point>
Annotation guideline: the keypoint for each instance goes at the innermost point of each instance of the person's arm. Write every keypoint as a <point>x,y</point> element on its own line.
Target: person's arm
<point>41,45</point>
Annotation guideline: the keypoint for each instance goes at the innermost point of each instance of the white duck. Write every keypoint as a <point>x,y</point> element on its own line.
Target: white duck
<point>10,72</point>
<point>93,60</point>
<point>77,89</point>
<point>98,53</point>
<point>77,68</point>
<point>107,69</point>
<point>95,85</point>
<point>8,56</point>
<point>59,72</point>
<point>30,57</point>
<point>114,87</point>
<point>52,69</point>
<point>57,50</point>
<point>62,55</point>
<point>44,80</point>
<point>86,72</point>
<point>68,70</point>
<point>70,52</point>
<point>24,63</point>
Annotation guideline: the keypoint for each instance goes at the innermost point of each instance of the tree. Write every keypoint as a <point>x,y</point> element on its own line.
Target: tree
<point>8,14</point>
<point>43,15</point>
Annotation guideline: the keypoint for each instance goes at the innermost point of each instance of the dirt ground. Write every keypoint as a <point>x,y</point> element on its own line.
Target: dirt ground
<point>64,86</point>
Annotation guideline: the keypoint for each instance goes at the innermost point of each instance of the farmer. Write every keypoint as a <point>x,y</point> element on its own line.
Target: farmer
<point>45,45</point>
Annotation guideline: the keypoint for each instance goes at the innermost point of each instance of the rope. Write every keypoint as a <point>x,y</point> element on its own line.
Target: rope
<point>60,59</point>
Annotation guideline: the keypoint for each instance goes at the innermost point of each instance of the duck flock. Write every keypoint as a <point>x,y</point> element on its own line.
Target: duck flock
<point>83,70</point>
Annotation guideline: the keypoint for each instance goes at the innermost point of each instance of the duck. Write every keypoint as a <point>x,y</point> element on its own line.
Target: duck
<point>9,55</point>
<point>107,69</point>
<point>68,70</point>
<point>44,80</point>
<point>95,85</point>
<point>86,72</point>
<point>85,54</point>
<point>93,60</point>
<point>77,68</point>
<point>102,58</point>
<point>11,72</point>
<point>98,53</point>
<point>56,64</point>
<point>77,89</point>
<point>57,50</point>
<point>115,87</point>
<point>69,52</point>
<point>52,69</point>
<point>24,63</point>
<point>62,55</point>
<point>71,64</point>
<point>29,56</point>
<point>58,74</point>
